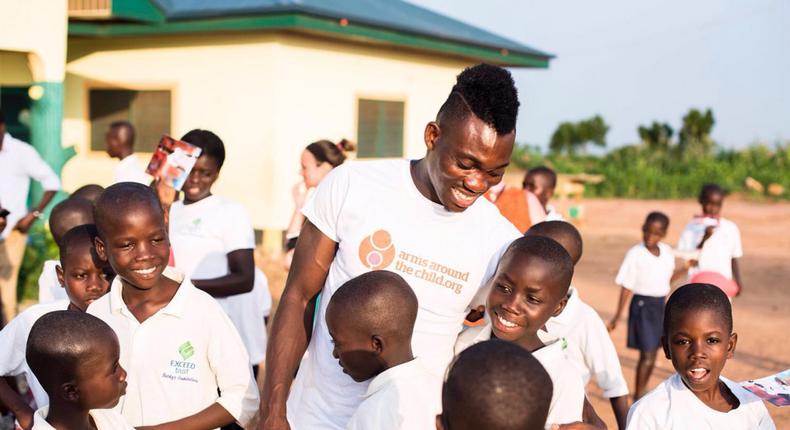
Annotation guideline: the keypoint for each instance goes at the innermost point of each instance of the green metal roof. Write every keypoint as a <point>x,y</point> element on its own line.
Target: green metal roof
<point>391,22</point>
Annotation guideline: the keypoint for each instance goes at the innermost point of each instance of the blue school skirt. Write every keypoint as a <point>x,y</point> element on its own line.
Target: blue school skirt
<point>645,322</point>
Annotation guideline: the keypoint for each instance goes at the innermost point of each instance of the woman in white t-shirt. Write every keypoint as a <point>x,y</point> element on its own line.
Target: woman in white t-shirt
<point>699,340</point>
<point>645,278</point>
<point>317,160</point>
<point>712,242</point>
<point>213,243</point>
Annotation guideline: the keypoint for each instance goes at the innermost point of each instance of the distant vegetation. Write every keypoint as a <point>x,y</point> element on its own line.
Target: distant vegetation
<point>662,165</point>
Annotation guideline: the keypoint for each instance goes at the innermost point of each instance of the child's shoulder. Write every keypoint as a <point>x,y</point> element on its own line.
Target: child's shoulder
<point>652,410</point>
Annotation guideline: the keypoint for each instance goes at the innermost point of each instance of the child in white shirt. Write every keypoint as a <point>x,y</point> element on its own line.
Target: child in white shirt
<point>589,343</point>
<point>65,215</point>
<point>714,241</point>
<point>371,320</point>
<point>698,338</point>
<point>645,278</point>
<point>75,356</point>
<point>85,278</point>
<point>530,286</point>
<point>187,364</point>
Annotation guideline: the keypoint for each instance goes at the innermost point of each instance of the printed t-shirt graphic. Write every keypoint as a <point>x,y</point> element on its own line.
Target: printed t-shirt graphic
<point>380,221</point>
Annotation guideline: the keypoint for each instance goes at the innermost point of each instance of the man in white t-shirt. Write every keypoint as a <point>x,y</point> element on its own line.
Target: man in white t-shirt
<point>19,163</point>
<point>120,144</point>
<point>421,219</point>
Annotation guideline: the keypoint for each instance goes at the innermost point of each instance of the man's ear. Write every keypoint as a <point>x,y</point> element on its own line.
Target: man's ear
<point>439,423</point>
<point>432,133</point>
<point>731,345</point>
<point>377,344</point>
<point>665,346</point>
<point>69,391</point>
<point>101,252</point>
<point>560,306</point>
<point>61,277</point>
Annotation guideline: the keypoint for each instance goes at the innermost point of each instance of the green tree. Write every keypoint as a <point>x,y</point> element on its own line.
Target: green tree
<point>573,137</point>
<point>694,139</point>
<point>657,138</point>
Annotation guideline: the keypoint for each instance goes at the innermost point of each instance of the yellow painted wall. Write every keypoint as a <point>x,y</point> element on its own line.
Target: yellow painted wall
<point>36,27</point>
<point>14,69</point>
<point>266,95</point>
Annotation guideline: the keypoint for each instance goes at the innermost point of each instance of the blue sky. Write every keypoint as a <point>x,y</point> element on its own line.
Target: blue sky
<point>637,61</point>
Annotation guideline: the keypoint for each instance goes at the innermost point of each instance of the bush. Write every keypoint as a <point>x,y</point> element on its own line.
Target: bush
<point>40,248</point>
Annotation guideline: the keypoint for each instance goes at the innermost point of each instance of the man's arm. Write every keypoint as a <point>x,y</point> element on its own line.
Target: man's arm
<point>293,322</point>
<point>24,224</point>
<point>212,417</point>
<point>16,404</point>
<point>240,280</point>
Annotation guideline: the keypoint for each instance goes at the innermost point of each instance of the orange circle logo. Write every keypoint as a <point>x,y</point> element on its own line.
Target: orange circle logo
<point>377,251</point>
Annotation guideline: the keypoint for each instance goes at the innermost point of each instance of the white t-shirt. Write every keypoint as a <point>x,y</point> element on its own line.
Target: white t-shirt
<point>49,288</point>
<point>202,235</point>
<point>13,343</point>
<point>131,170</point>
<point>178,358</point>
<point>646,274</point>
<point>672,405</point>
<point>589,345</point>
<point>19,163</point>
<point>379,219</point>
<point>105,419</point>
<point>567,398</point>
<point>718,251</point>
<point>404,397</point>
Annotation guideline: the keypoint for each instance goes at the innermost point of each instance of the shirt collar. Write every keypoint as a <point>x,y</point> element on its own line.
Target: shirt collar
<point>177,304</point>
<point>392,374</point>
<point>568,314</point>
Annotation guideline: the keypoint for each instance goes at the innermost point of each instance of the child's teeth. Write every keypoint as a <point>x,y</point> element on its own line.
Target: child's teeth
<point>506,323</point>
<point>146,271</point>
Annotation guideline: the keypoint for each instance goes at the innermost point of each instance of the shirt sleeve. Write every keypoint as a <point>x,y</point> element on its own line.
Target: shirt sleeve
<point>639,418</point>
<point>601,357</point>
<point>39,170</point>
<point>239,234</point>
<point>230,362</point>
<point>13,340</point>
<point>626,276</point>
<point>324,207</point>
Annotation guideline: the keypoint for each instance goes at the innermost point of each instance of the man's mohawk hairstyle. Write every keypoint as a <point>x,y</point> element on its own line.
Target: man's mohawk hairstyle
<point>489,92</point>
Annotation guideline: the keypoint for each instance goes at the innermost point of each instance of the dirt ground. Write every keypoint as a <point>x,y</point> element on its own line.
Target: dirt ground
<point>611,226</point>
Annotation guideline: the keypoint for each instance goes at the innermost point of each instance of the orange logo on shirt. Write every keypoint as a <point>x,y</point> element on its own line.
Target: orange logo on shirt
<point>377,251</point>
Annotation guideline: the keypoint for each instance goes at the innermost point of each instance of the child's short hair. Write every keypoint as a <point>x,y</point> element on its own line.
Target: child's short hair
<point>709,190</point>
<point>89,192</point>
<point>68,214</point>
<point>545,249</point>
<point>658,217</point>
<point>380,301</point>
<point>564,233</point>
<point>209,142</point>
<point>59,341</point>
<point>80,235</point>
<point>544,171</point>
<point>696,297</point>
<point>119,198</point>
<point>496,385</point>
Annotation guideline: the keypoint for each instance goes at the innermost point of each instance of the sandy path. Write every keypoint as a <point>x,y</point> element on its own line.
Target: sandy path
<point>611,226</point>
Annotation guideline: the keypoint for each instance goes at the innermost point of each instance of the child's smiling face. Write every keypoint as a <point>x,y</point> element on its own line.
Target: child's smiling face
<point>101,380</point>
<point>84,275</point>
<point>699,344</point>
<point>525,293</point>
<point>136,245</point>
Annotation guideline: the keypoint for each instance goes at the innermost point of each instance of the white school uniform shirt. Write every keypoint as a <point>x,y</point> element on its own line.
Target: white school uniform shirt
<point>672,405</point>
<point>589,345</point>
<point>404,397</point>
<point>567,397</point>
<point>202,234</point>
<point>178,358</point>
<point>49,288</point>
<point>105,419</point>
<point>646,274</point>
<point>718,251</point>
<point>13,343</point>
<point>379,219</point>
<point>130,169</point>
<point>19,163</point>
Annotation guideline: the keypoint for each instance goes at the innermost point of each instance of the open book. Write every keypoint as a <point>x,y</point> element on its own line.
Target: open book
<point>775,388</point>
<point>172,161</point>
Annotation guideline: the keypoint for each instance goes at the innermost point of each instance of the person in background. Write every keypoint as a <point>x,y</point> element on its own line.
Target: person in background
<point>317,160</point>
<point>19,163</point>
<point>119,141</point>
<point>529,205</point>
